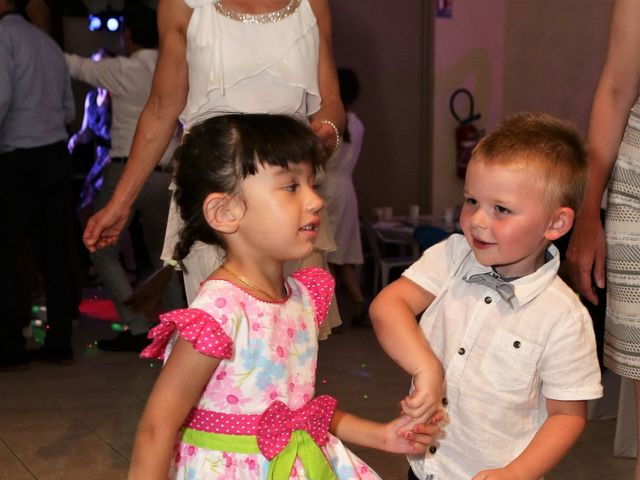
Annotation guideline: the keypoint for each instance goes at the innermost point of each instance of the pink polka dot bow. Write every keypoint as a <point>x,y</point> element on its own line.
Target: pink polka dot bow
<point>278,423</point>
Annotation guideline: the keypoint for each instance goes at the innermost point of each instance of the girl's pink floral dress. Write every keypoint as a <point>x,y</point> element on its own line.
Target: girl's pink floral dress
<point>268,354</point>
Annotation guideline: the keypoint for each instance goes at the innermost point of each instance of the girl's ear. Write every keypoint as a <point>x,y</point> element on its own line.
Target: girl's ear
<point>221,212</point>
<point>560,223</point>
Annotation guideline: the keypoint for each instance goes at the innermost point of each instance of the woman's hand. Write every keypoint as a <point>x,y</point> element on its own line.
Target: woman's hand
<point>586,256</point>
<point>327,135</point>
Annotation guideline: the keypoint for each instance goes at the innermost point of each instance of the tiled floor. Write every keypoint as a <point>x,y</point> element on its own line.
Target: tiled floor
<point>78,421</point>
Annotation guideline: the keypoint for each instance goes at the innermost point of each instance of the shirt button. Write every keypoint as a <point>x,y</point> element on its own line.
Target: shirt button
<point>432,449</point>
<point>487,299</point>
<point>461,351</point>
<point>516,344</point>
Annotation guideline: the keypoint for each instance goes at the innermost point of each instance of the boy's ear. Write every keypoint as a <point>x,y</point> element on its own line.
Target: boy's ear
<point>221,212</point>
<point>560,223</point>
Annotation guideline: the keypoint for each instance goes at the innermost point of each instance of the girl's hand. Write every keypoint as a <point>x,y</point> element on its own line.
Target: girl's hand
<point>426,398</point>
<point>409,436</point>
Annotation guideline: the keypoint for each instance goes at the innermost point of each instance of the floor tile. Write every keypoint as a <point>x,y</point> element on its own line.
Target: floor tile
<point>11,468</point>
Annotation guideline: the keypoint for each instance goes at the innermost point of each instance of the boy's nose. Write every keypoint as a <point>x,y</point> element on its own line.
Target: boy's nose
<point>478,219</point>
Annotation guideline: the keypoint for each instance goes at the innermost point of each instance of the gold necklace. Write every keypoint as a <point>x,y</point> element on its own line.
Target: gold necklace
<point>246,281</point>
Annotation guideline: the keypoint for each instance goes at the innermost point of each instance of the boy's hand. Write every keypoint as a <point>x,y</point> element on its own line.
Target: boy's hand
<point>426,398</point>
<point>409,436</point>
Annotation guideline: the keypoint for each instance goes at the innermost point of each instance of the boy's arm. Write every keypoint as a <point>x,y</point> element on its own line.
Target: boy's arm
<point>401,435</point>
<point>393,315</point>
<point>562,428</point>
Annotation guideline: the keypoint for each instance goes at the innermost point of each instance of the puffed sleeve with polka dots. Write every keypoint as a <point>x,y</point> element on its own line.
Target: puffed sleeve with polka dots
<point>320,285</point>
<point>195,326</point>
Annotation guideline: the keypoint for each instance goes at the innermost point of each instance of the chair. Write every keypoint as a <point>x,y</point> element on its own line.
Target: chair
<point>382,264</point>
<point>428,235</point>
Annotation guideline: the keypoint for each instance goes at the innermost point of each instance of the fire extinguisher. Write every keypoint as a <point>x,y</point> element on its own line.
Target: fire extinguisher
<point>467,134</point>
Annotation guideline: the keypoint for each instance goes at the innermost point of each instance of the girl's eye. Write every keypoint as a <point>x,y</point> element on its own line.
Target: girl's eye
<point>502,210</point>
<point>292,187</point>
<point>470,201</point>
<point>315,186</point>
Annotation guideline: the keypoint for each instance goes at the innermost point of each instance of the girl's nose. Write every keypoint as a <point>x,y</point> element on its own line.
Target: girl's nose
<point>314,202</point>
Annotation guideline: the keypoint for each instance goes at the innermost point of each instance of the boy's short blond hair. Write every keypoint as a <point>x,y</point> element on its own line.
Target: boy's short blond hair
<point>549,146</point>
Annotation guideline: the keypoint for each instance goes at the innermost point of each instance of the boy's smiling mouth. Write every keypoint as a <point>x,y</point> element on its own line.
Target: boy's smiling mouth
<point>477,243</point>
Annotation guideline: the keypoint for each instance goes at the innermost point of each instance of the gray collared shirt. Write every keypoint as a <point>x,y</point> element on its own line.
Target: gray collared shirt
<point>36,101</point>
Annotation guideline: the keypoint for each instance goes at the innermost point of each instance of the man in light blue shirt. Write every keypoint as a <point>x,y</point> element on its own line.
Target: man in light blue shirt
<point>36,103</point>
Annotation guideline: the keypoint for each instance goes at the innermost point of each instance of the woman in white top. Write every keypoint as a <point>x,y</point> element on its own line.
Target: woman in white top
<point>271,56</point>
<point>341,203</point>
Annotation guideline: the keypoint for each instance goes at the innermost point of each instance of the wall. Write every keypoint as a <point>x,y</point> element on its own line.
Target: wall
<point>514,55</point>
<point>468,53</point>
<point>384,46</point>
<point>554,56</point>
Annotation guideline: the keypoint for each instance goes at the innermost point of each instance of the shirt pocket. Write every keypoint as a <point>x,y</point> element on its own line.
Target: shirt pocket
<point>510,361</point>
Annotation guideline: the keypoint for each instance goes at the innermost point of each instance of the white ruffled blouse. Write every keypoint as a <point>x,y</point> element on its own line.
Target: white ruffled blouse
<point>251,63</point>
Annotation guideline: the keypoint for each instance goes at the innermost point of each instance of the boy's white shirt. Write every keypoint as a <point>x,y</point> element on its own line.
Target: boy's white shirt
<point>501,363</point>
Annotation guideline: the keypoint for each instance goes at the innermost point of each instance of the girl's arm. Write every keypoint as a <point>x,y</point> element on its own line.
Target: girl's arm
<point>615,94</point>
<point>564,425</point>
<point>393,314</point>
<point>155,127</point>
<point>176,391</point>
<point>414,439</point>
<point>331,108</point>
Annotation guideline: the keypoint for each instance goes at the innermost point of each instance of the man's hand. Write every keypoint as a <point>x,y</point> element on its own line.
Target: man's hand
<point>104,228</point>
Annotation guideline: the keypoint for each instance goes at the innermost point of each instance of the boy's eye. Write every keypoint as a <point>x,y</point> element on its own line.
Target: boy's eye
<point>292,187</point>
<point>470,201</point>
<point>502,210</point>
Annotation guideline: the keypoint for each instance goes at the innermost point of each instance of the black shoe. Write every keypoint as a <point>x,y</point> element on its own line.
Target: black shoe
<point>15,362</point>
<point>125,342</point>
<point>59,355</point>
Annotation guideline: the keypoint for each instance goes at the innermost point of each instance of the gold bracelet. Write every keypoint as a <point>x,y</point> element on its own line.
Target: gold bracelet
<point>335,129</point>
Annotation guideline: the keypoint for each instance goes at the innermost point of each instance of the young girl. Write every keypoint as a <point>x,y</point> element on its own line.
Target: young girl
<point>237,387</point>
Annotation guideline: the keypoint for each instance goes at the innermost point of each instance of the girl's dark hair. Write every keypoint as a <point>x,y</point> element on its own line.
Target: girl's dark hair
<point>215,156</point>
<point>349,91</point>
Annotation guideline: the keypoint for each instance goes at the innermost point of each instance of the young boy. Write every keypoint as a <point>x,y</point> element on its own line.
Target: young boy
<point>516,345</point>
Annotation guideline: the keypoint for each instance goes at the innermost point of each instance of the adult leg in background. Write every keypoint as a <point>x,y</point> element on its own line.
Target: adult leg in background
<point>115,279</point>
